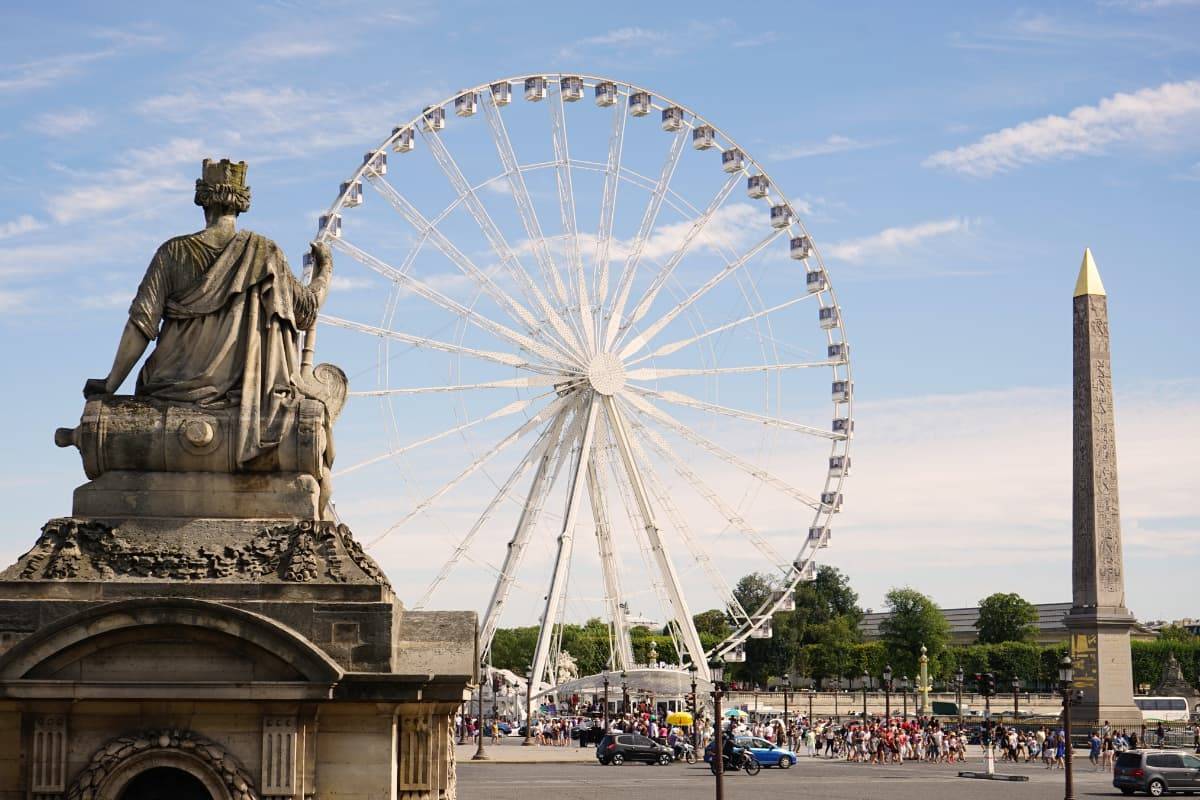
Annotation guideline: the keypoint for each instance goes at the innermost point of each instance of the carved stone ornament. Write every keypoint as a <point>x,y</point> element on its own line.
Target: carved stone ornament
<point>295,552</point>
<point>109,759</point>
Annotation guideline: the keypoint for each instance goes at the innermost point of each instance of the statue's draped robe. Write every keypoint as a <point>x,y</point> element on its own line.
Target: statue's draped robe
<point>230,319</point>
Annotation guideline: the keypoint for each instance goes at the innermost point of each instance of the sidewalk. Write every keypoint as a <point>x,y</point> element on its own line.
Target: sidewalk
<point>510,751</point>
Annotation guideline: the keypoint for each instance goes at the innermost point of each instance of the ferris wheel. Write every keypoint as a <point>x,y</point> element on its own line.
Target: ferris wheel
<point>605,340</point>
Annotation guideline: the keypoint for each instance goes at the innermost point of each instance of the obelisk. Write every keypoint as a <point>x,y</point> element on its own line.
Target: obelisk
<point>1099,622</point>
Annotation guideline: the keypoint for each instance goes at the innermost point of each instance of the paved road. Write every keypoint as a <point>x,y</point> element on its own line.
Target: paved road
<point>828,780</point>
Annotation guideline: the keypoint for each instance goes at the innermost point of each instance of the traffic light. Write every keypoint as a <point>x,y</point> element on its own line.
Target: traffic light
<point>979,687</point>
<point>991,684</point>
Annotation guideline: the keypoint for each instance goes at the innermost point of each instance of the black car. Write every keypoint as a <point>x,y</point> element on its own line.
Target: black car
<point>1156,772</point>
<point>588,734</point>
<point>617,748</point>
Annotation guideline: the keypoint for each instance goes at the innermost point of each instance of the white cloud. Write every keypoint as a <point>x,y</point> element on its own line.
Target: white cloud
<point>145,175</point>
<point>836,143</point>
<point>893,240</point>
<point>22,224</point>
<point>635,40</point>
<point>63,123</point>
<point>12,301</point>
<point>43,72</point>
<point>348,283</point>
<point>1151,5</point>
<point>1148,116</point>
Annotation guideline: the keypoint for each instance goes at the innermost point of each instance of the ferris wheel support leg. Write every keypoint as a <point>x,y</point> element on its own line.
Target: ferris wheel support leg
<point>608,562</point>
<point>544,476</point>
<point>558,579</point>
<point>683,615</point>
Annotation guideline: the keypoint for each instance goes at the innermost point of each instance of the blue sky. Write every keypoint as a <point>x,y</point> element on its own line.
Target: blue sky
<point>951,161</point>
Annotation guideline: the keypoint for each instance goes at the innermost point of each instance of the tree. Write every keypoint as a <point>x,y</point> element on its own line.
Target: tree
<point>1006,617</point>
<point>712,622</point>
<point>752,591</point>
<point>914,620</point>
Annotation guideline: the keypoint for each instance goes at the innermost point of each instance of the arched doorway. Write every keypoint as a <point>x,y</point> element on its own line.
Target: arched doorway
<point>165,783</point>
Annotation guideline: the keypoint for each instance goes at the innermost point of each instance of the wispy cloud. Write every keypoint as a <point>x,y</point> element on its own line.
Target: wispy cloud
<point>634,40</point>
<point>43,72</point>
<point>1026,32</point>
<point>1148,116</point>
<point>835,143</point>
<point>1150,5</point>
<point>891,241</point>
<point>22,224</point>
<point>15,300</point>
<point>58,124</point>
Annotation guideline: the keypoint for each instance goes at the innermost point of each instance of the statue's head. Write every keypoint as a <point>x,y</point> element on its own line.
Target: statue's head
<point>223,185</point>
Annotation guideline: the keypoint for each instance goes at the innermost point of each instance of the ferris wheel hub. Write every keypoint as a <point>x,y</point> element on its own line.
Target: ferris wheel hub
<point>606,373</point>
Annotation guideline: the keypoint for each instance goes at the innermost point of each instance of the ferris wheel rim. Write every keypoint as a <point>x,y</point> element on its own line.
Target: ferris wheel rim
<point>758,617</point>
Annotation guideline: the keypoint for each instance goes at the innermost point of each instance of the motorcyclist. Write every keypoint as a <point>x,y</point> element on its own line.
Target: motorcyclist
<point>732,753</point>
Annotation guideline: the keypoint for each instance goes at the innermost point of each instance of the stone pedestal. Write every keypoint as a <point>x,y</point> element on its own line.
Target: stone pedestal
<point>263,658</point>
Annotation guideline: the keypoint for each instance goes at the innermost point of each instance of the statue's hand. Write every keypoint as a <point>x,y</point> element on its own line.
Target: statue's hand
<point>95,386</point>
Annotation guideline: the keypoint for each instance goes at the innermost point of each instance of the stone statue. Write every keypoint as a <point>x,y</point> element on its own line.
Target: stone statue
<point>226,374</point>
<point>1173,683</point>
<point>567,667</point>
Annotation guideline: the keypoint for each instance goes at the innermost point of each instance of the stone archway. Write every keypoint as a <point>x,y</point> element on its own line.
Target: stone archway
<point>165,783</point>
<point>119,763</point>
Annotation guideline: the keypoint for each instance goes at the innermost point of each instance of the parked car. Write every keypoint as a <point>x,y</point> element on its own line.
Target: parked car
<point>589,733</point>
<point>765,753</point>
<point>1156,772</point>
<point>617,748</point>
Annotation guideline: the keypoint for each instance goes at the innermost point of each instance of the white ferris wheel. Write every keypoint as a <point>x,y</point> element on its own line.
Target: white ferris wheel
<point>614,351</point>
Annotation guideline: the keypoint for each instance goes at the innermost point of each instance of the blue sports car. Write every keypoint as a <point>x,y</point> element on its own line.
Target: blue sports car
<point>765,753</point>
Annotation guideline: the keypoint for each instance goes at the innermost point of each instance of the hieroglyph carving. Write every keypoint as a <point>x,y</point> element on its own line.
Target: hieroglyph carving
<point>1097,564</point>
<point>108,759</point>
<point>296,552</point>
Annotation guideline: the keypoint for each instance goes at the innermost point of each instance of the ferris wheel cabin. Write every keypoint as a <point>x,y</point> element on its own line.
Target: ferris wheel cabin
<point>571,88</point>
<point>535,88</point>
<point>732,160</point>
<point>433,118</point>
<point>403,141</point>
<point>465,104</point>
<point>376,162</point>
<point>839,466</point>
<point>831,500</point>
<point>672,119</point>
<point>757,186</point>
<point>800,247</point>
<point>352,193</point>
<point>501,93</point>
<point>606,94</point>
<point>703,137</point>
<point>841,391</point>
<point>639,104</point>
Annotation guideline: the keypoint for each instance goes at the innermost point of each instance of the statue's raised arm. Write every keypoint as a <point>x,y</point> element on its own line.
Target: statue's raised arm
<point>225,385</point>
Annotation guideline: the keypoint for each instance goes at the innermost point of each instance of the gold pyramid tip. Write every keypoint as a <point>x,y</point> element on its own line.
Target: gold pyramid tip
<point>1088,281</point>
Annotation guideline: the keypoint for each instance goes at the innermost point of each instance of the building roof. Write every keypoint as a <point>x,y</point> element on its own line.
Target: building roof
<point>1049,623</point>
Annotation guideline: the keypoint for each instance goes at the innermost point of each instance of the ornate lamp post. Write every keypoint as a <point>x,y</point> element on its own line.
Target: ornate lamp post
<point>904,694</point>
<point>528,709</point>
<point>787,689</point>
<point>866,676</point>
<point>1066,679</point>
<point>925,687</point>
<point>837,690</point>
<point>1016,687</point>
<point>606,701</point>
<point>695,709</point>
<point>812,690</point>
<point>958,687</point>
<point>624,694</point>
<point>887,693</point>
<point>479,754</point>
<point>465,713</point>
<point>717,668</point>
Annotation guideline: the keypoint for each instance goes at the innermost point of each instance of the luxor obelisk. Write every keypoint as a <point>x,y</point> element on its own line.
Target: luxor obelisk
<point>1099,622</point>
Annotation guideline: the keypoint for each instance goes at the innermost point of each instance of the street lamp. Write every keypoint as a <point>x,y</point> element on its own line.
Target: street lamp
<point>866,676</point>
<point>479,754</point>
<point>958,687</point>
<point>717,670</point>
<point>837,689</point>
<point>1066,678</point>
<point>528,709</point>
<point>887,693</point>
<point>812,690</point>
<point>624,694</point>
<point>904,694</point>
<point>695,708</point>
<point>1016,687</point>
<point>787,688</point>
<point>606,701</point>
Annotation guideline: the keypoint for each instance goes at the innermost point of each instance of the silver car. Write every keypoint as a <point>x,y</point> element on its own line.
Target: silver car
<point>1156,772</point>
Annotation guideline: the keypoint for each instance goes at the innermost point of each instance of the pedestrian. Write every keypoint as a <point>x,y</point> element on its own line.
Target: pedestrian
<point>1094,750</point>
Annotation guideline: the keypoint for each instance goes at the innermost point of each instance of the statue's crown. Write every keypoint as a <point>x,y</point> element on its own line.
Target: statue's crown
<point>226,172</point>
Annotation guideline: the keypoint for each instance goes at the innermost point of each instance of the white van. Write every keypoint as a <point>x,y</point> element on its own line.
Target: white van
<point>1163,709</point>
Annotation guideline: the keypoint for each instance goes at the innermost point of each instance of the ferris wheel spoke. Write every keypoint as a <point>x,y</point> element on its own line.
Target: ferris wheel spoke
<point>514,407</point>
<point>679,344</point>
<point>710,496</point>
<point>666,567</point>
<point>535,454</point>
<point>650,411</point>
<point>453,306</point>
<point>507,359</point>
<point>613,593</point>
<point>651,374</point>
<point>550,465</point>
<point>625,282</point>
<point>498,243</point>
<point>427,229</point>
<point>608,204</point>
<point>530,424</point>
<point>664,274</point>
<point>639,341</point>
<point>566,539</point>
<point>680,399</point>
<point>698,553</point>
<point>508,383</point>
<point>525,206</point>
<point>566,205</point>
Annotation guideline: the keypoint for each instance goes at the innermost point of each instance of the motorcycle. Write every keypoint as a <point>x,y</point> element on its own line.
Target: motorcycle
<point>743,760</point>
<point>685,752</point>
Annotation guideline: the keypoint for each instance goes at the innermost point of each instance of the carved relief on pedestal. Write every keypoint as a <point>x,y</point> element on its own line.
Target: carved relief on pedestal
<point>414,757</point>
<point>279,757</point>
<point>48,761</point>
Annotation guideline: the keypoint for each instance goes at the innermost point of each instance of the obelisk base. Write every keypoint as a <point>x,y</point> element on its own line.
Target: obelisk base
<point>1103,668</point>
